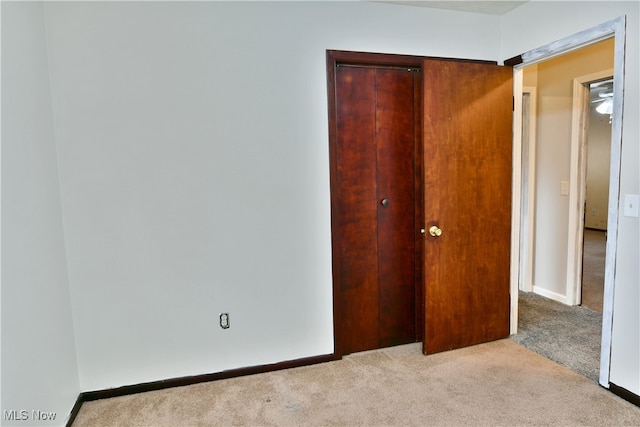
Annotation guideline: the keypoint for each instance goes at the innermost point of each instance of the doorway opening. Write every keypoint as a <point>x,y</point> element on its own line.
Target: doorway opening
<point>559,280</point>
<point>598,156</point>
<point>590,168</point>
<point>551,318</point>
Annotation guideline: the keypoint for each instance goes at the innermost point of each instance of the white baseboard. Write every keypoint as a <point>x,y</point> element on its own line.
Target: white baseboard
<point>551,295</point>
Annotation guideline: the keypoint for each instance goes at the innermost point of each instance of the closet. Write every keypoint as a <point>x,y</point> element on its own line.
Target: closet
<point>420,166</point>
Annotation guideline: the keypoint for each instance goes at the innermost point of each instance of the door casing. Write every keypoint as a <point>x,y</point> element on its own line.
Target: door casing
<point>615,28</point>
<point>578,185</point>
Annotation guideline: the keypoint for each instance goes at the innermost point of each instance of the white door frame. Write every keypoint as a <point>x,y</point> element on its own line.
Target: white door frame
<point>578,184</point>
<point>615,28</point>
<point>527,187</point>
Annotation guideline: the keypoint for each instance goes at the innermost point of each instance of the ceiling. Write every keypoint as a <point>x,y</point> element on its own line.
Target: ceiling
<point>486,7</point>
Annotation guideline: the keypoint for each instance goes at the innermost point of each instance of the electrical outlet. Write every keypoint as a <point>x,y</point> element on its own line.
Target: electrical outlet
<point>224,321</point>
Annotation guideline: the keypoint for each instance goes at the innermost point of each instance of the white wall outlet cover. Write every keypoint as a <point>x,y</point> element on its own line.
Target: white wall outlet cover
<point>631,202</point>
<point>224,321</point>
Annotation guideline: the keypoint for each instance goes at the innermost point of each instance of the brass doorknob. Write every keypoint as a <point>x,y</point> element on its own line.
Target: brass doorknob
<point>435,231</point>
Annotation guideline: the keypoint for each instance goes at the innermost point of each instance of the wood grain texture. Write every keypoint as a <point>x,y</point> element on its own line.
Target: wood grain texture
<point>467,150</point>
<point>396,222</point>
<point>419,203</point>
<point>462,178</point>
<point>373,157</point>
<point>356,200</point>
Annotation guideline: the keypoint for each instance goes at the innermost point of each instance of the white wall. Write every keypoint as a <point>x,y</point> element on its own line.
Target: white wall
<point>546,22</point>
<point>192,145</point>
<point>194,170</point>
<point>39,368</point>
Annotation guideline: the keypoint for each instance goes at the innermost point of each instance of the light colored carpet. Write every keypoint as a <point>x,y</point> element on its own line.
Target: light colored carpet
<point>498,383</point>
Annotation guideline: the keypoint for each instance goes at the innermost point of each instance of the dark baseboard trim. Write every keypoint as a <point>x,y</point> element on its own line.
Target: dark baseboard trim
<point>75,410</point>
<point>625,394</point>
<point>88,396</point>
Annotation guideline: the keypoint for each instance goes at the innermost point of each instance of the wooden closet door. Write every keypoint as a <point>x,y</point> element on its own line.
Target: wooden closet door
<point>396,220</point>
<point>356,198</point>
<point>467,151</point>
<point>375,147</point>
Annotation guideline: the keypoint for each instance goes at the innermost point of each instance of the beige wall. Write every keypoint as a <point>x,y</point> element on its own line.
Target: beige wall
<point>598,158</point>
<point>530,76</point>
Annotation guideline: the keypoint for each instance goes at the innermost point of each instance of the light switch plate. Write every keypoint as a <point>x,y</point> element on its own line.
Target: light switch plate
<point>631,202</point>
<point>564,188</point>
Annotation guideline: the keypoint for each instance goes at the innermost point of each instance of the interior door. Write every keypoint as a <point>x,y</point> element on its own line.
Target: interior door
<point>467,151</point>
<point>374,205</point>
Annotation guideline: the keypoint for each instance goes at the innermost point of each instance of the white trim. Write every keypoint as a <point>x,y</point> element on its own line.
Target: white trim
<point>574,42</point>
<point>517,264</point>
<point>578,185</point>
<point>528,218</point>
<point>545,292</point>
<point>1,198</point>
<point>516,197</point>
<point>616,28</point>
<point>614,197</point>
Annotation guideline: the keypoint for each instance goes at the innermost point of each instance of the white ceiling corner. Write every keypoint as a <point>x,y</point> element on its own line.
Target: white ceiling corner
<point>496,7</point>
